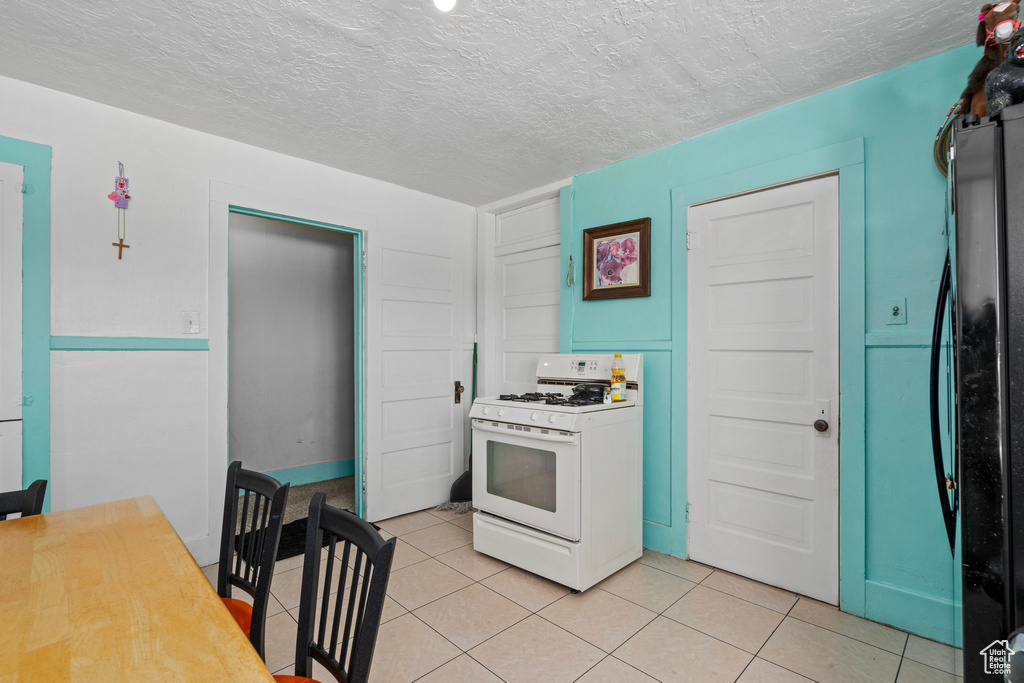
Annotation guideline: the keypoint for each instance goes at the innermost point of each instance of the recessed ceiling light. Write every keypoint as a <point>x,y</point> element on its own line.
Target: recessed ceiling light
<point>444,5</point>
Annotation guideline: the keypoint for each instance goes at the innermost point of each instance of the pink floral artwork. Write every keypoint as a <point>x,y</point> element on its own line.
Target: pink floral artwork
<point>616,261</point>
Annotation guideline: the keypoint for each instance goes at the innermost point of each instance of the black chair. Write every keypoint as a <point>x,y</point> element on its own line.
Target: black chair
<point>28,502</point>
<point>363,552</point>
<point>248,546</point>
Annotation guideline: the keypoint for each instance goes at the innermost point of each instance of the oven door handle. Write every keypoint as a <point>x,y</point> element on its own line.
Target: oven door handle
<point>534,433</point>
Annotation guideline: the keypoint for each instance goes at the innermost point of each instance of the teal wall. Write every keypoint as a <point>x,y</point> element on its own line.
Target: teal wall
<point>894,567</point>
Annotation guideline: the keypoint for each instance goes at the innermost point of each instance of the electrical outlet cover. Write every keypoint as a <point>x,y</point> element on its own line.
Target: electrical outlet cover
<point>190,322</point>
<point>896,312</point>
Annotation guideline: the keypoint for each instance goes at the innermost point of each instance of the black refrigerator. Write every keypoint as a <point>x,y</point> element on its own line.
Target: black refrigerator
<point>985,484</point>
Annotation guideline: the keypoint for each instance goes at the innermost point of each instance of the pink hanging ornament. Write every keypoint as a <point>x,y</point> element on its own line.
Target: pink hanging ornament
<point>120,198</point>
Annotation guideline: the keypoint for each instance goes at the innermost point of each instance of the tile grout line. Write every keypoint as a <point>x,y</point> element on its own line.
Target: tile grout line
<point>784,617</point>
<point>596,664</point>
<point>446,662</point>
<point>579,637</point>
<point>475,582</point>
<point>847,635</point>
<point>466,652</point>
<point>903,656</point>
<point>801,597</point>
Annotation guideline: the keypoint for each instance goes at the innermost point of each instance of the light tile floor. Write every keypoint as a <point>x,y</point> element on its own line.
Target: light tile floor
<point>456,615</point>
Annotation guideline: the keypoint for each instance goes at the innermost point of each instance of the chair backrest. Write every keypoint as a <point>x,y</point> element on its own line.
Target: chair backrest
<point>253,515</point>
<point>28,502</point>
<point>356,569</point>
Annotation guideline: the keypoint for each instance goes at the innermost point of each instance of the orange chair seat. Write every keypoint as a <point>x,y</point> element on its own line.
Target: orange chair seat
<point>280,678</point>
<point>241,611</point>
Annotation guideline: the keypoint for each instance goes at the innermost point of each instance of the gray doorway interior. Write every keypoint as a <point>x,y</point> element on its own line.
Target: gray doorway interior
<point>292,380</point>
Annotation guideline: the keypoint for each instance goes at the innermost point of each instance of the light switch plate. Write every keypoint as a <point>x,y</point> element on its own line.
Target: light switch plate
<point>896,311</point>
<point>190,322</point>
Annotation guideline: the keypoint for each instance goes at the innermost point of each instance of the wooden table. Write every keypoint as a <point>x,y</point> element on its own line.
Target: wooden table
<point>109,593</point>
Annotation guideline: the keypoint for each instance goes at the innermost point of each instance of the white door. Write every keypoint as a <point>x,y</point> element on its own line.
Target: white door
<point>520,314</point>
<point>10,326</point>
<point>763,301</point>
<point>414,430</point>
<point>528,291</point>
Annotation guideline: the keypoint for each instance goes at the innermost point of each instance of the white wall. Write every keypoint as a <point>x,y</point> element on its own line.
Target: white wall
<point>126,424</point>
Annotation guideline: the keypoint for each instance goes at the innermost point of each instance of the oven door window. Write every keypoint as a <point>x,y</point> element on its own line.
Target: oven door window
<point>521,474</point>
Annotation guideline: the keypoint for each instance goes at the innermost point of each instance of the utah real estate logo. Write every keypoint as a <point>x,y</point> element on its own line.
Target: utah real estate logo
<point>996,657</point>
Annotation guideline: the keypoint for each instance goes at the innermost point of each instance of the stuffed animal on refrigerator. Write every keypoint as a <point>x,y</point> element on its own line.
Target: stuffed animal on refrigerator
<point>996,25</point>
<point>1005,85</point>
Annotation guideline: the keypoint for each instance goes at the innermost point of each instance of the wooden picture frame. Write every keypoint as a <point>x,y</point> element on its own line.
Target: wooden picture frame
<point>617,260</point>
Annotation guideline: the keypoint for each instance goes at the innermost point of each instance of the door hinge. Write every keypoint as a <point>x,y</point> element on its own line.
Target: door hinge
<point>364,259</point>
<point>27,188</point>
<point>687,512</point>
<point>691,240</point>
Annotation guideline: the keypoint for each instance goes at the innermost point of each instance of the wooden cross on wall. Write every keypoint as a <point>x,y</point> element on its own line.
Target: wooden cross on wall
<point>121,246</point>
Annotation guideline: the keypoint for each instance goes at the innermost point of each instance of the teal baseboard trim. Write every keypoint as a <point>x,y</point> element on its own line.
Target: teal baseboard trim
<point>659,538</point>
<point>636,345</point>
<point>925,615</point>
<point>35,159</point>
<point>128,344</point>
<point>310,474</point>
<point>898,339</point>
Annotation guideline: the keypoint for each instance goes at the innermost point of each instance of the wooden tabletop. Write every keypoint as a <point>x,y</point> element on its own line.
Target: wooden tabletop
<point>109,593</point>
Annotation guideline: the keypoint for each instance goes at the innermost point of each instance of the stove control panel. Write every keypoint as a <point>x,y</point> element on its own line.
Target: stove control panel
<point>587,366</point>
<point>583,367</point>
<point>526,415</point>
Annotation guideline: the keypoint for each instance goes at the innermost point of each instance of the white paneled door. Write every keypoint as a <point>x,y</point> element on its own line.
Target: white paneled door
<point>10,326</point>
<point>763,391</point>
<point>525,293</point>
<point>414,433</point>
<point>528,290</point>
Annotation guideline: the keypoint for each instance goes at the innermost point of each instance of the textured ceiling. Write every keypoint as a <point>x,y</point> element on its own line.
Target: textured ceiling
<point>491,99</point>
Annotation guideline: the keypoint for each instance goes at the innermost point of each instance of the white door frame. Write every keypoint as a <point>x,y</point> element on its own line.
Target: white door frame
<point>222,197</point>
<point>848,158</point>
<point>487,320</point>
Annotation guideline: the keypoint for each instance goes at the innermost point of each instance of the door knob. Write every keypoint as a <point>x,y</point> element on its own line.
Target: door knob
<point>821,425</point>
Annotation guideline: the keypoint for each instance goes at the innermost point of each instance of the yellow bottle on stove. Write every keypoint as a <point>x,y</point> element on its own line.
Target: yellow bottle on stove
<point>618,378</point>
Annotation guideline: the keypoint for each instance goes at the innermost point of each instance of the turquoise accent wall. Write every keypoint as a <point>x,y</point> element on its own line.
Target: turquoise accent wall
<point>35,301</point>
<point>895,564</point>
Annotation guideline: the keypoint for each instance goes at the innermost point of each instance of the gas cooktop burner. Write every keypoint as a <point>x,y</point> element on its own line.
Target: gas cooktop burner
<point>574,401</point>
<point>532,396</point>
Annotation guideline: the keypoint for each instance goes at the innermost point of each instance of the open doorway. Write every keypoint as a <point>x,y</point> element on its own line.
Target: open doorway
<point>294,353</point>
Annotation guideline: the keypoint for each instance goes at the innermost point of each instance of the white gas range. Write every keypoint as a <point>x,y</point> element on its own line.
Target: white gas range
<point>558,474</point>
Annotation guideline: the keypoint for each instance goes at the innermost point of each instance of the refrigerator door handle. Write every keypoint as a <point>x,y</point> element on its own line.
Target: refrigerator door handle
<point>944,484</point>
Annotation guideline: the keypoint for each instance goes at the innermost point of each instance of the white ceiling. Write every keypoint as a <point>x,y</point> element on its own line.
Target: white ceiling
<point>491,99</point>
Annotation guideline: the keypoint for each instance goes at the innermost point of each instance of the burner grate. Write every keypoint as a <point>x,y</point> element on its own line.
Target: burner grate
<point>532,396</point>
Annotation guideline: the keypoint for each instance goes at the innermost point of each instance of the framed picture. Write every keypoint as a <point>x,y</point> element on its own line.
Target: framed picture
<point>617,260</point>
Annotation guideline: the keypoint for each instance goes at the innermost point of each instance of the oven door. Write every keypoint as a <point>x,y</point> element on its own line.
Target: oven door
<point>528,477</point>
